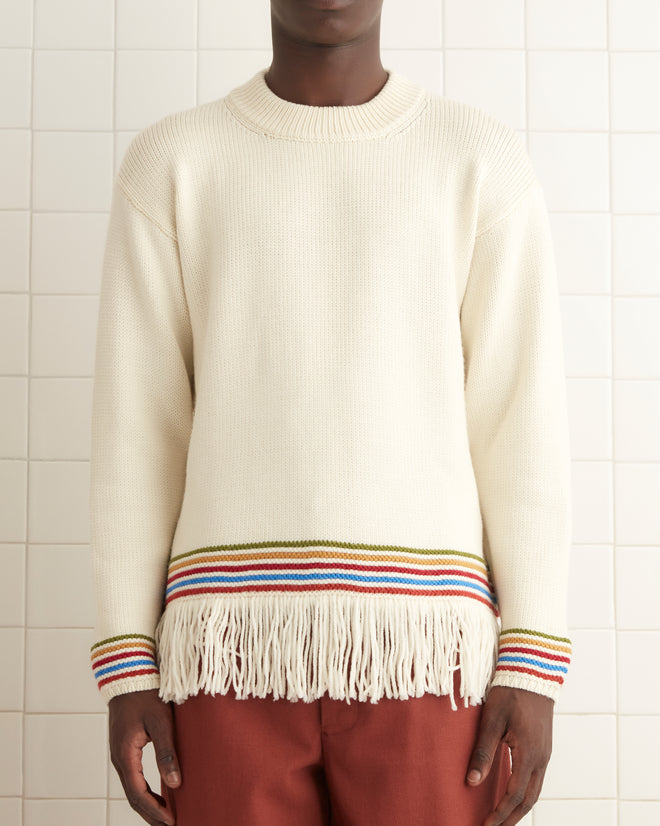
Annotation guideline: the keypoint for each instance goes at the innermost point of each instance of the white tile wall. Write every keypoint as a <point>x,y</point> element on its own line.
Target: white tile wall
<point>578,80</point>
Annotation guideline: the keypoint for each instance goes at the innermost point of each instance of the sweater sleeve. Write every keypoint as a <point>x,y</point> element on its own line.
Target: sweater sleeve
<point>515,396</point>
<point>142,411</point>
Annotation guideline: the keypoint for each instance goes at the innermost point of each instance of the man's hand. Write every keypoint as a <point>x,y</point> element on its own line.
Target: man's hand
<point>135,719</point>
<point>523,719</point>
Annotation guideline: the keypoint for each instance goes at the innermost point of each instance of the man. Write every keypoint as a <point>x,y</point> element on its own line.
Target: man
<point>330,469</point>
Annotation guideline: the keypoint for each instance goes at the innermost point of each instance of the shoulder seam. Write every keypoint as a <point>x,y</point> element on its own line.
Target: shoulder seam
<point>133,200</point>
<point>522,194</point>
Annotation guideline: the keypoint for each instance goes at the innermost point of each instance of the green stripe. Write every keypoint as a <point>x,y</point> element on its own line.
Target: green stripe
<point>305,543</point>
<point>122,637</point>
<point>535,634</point>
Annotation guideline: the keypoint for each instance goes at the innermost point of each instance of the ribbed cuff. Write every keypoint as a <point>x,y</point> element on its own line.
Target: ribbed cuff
<point>533,661</point>
<point>125,663</point>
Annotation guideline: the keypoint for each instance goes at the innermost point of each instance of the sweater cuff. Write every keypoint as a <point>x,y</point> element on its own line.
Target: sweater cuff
<point>533,661</point>
<point>125,663</point>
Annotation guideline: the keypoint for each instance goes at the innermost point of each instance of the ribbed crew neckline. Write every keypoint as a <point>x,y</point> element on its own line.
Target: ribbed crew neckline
<point>393,107</point>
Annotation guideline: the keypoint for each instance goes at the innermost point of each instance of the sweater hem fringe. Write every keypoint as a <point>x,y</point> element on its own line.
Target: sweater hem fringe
<point>298,646</point>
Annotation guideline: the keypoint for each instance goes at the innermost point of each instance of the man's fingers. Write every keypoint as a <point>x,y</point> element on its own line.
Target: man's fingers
<point>515,795</point>
<point>491,731</point>
<point>531,796</point>
<point>148,804</point>
<point>161,731</point>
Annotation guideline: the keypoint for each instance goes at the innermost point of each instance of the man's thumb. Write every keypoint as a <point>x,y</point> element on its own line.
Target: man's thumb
<point>490,733</point>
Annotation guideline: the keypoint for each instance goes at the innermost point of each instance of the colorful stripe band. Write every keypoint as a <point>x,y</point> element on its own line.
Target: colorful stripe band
<point>361,568</point>
<point>530,652</point>
<point>128,655</point>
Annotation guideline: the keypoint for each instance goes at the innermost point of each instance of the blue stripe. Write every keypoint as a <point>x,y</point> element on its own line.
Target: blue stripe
<point>353,577</point>
<point>538,663</point>
<point>123,665</point>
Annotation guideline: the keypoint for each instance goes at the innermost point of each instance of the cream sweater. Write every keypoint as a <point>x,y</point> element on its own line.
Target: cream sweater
<point>330,448</point>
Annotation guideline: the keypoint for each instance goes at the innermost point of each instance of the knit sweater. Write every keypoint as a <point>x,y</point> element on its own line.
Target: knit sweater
<point>330,447</point>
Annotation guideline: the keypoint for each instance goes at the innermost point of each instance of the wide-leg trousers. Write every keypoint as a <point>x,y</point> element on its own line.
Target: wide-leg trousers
<point>265,762</point>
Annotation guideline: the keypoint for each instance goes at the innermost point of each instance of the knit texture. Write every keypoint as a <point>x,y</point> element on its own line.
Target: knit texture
<point>330,446</point>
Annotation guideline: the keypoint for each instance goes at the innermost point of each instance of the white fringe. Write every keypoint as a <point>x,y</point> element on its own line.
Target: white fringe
<point>299,646</point>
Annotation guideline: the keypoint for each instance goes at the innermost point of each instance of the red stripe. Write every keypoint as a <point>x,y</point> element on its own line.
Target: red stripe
<point>135,673</point>
<point>555,678</point>
<point>302,588</point>
<point>535,652</point>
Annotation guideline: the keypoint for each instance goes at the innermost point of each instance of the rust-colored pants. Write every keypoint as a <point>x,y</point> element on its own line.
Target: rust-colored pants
<point>265,762</point>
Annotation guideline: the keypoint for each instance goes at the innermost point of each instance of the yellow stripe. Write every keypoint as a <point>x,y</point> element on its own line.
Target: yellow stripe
<point>119,646</point>
<point>506,640</point>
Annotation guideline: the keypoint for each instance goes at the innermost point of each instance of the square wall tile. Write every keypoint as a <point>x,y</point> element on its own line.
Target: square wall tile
<point>65,755</point>
<point>67,252</point>
<point>583,764</point>
<point>12,650</point>
<point>636,338</point>
<point>241,26</point>
<point>73,89</point>
<point>565,24</point>
<point>65,813</point>
<point>590,685</point>
<point>15,97</point>
<point>587,325</point>
<point>639,813</point>
<point>157,24</point>
<point>590,418</point>
<point>482,24</point>
<point>634,85</point>
<point>59,674</point>
<point>490,79</point>
<point>637,492</point>
<point>638,747</point>
<point>11,753</point>
<point>60,587</point>
<point>10,811</point>
<point>592,502</point>
<point>634,164</point>
<point>573,168</point>
<point>581,243</point>
<point>13,417</point>
<point>568,90</point>
<point>635,243</point>
<point>575,813</point>
<point>634,24</point>
<point>591,590</point>
<point>72,171</point>
<point>15,245</point>
<point>12,584</point>
<point>13,499</point>
<point>63,335</point>
<point>637,577</point>
<point>415,25</point>
<point>636,417</point>
<point>59,495</point>
<point>15,168</point>
<point>14,334</point>
<point>15,23</point>
<point>151,85</point>
<point>74,24</point>
<point>638,653</point>
<point>60,418</point>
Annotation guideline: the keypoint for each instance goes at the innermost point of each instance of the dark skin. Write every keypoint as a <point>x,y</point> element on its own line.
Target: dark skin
<point>327,53</point>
